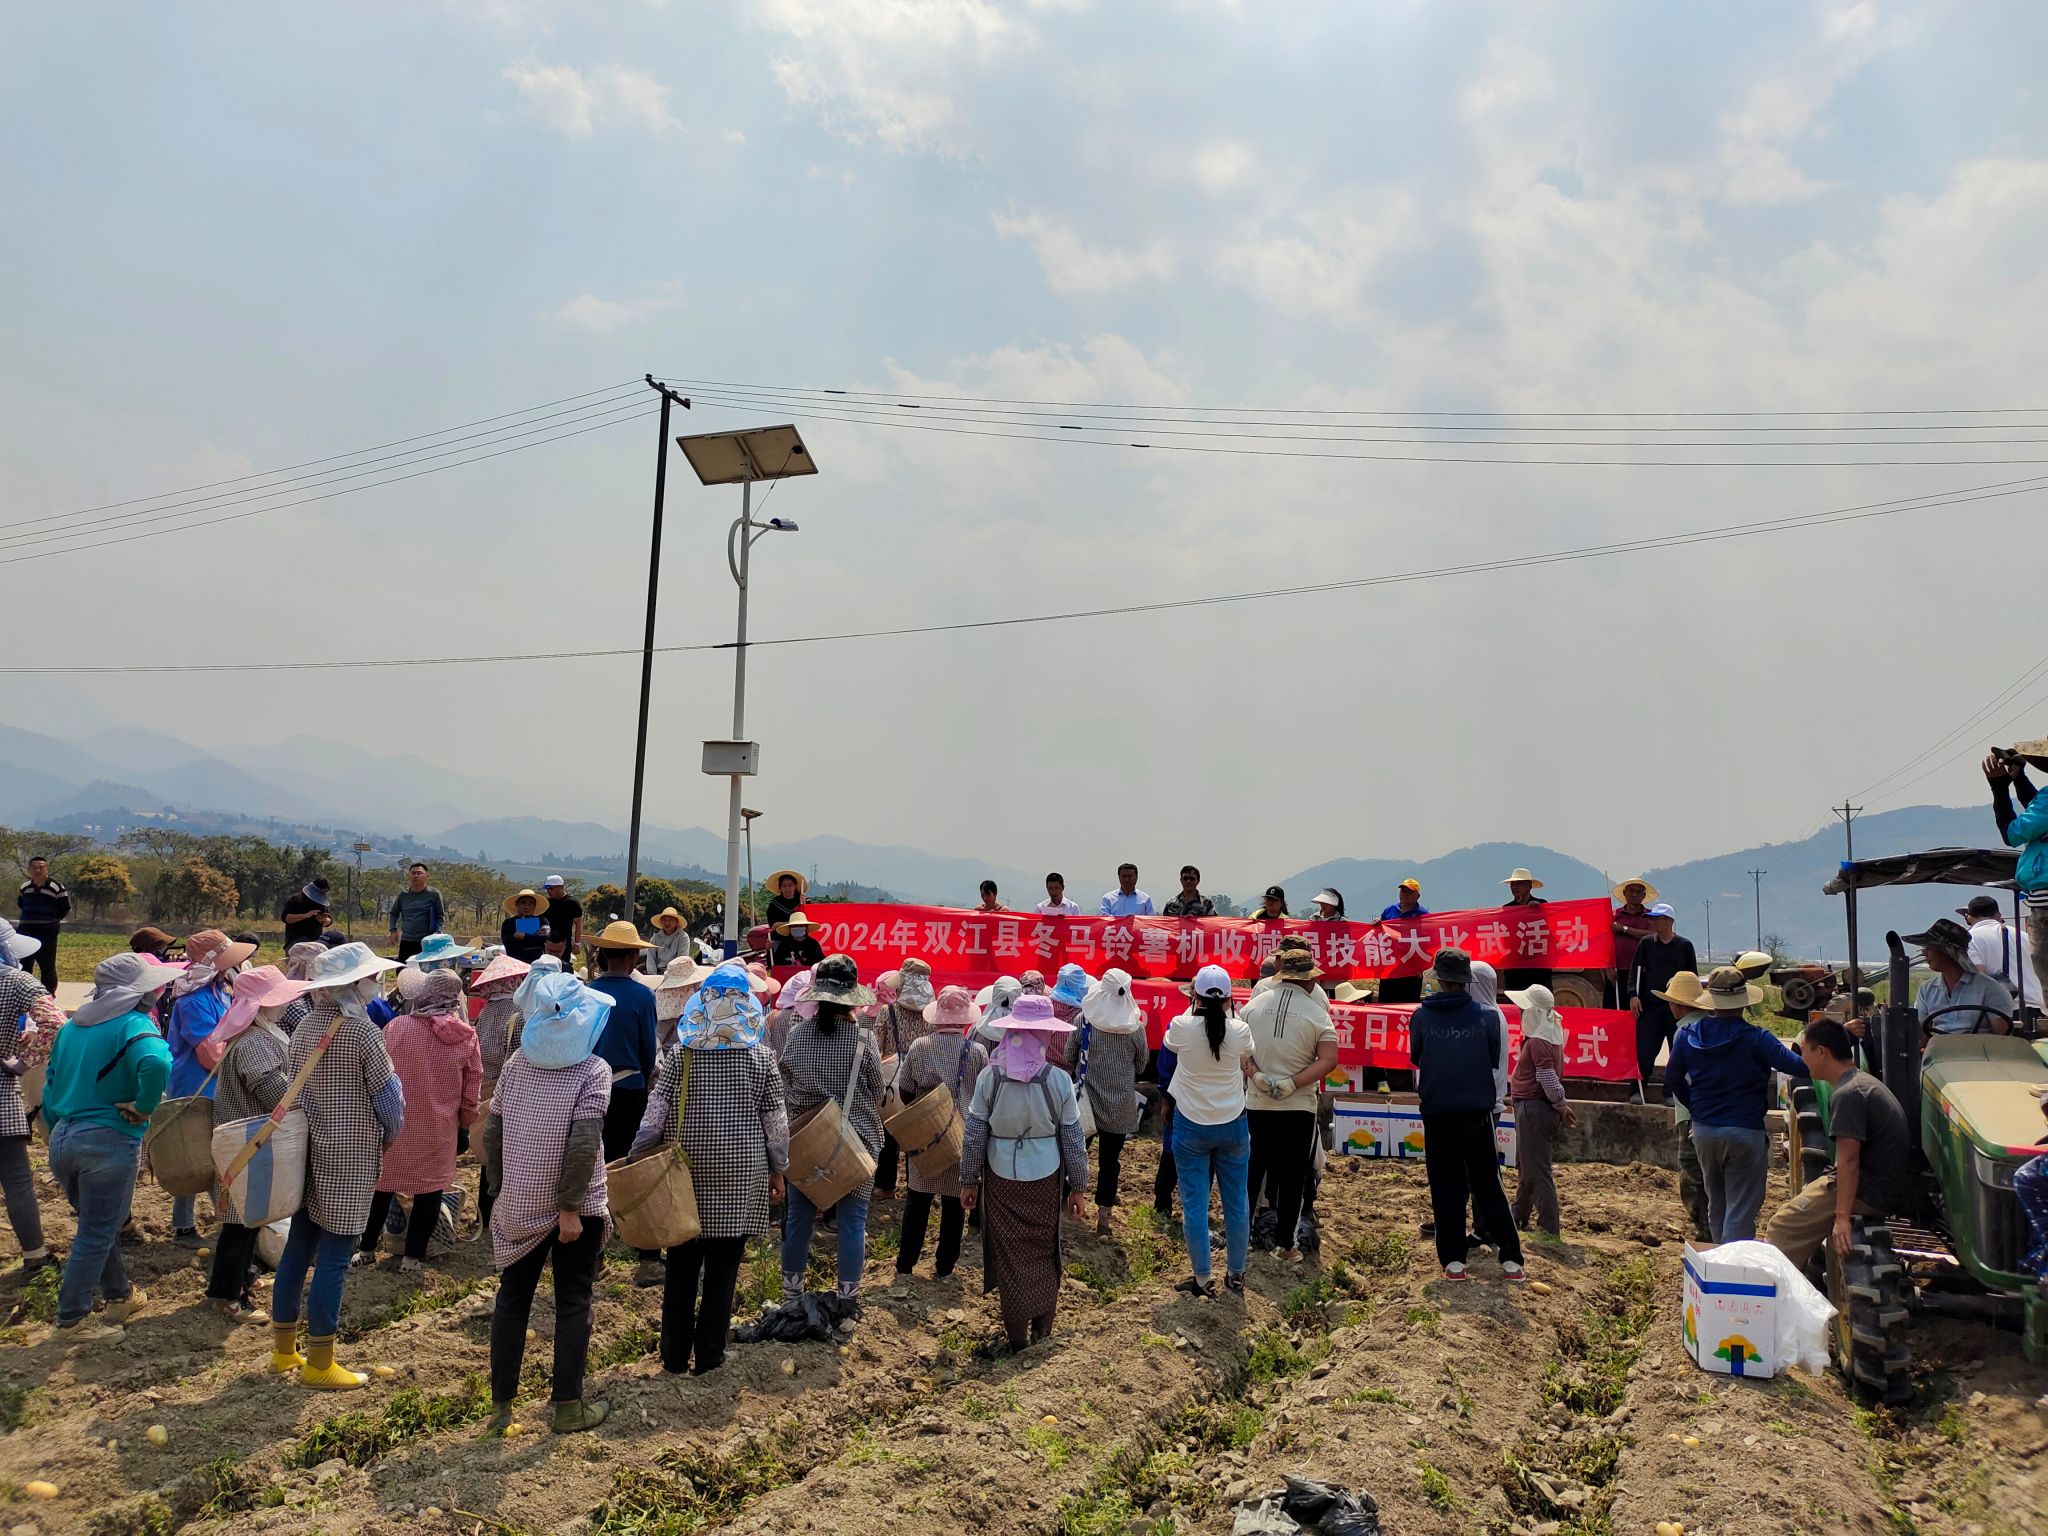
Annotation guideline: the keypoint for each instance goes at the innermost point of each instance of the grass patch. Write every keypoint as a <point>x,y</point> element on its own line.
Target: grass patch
<point>1274,1356</point>
<point>977,1409</point>
<point>1378,1395</point>
<point>428,1298</point>
<point>1308,1306</point>
<point>360,1437</point>
<point>147,1516</point>
<point>1108,1512</point>
<point>1220,1426</point>
<point>884,1243</point>
<point>636,1342</point>
<point>1051,1444</point>
<point>1953,1427</point>
<point>867,1450</point>
<point>19,1407</point>
<point>684,1492</point>
<point>1422,1315</point>
<point>1096,1277</point>
<point>1382,1253</point>
<point>225,1487</point>
<point>1436,1488</point>
<point>38,1302</point>
<point>761,1281</point>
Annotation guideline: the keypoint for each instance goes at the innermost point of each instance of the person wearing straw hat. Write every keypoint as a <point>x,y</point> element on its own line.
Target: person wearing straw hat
<point>1522,888</point>
<point>718,1096</point>
<point>629,1044</point>
<point>1683,998</point>
<point>1659,955</point>
<point>108,1068</point>
<point>942,1057</point>
<point>544,1151</point>
<point>1212,1147</point>
<point>671,941</point>
<point>251,1055</point>
<point>897,1018</point>
<point>2025,828</point>
<point>1106,1055</point>
<point>793,942</point>
<point>1455,1043</point>
<point>673,988</point>
<point>1720,1070</point>
<point>786,889</point>
<point>1984,1003</point>
<point>354,1108</point>
<point>434,1050</point>
<point>1022,1147</point>
<point>1631,926</point>
<point>524,933</point>
<point>1294,1047</point>
<point>200,998</point>
<point>1541,1110</point>
<point>817,1064</point>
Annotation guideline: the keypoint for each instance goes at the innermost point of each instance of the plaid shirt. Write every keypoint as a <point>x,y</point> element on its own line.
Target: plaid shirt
<point>346,1150</point>
<point>534,1107</point>
<point>814,1069</point>
<point>733,1128</point>
<point>253,1075</point>
<point>21,994</point>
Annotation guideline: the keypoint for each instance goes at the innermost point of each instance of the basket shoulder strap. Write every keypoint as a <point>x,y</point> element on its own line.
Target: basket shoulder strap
<point>291,1096</point>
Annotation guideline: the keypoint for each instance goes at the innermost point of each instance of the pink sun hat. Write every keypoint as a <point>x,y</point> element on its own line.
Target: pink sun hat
<point>263,987</point>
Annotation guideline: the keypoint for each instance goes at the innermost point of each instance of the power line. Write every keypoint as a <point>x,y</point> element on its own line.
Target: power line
<point>1786,523</point>
<point>262,474</point>
<point>1303,418</point>
<point>1958,731</point>
<point>75,522</point>
<point>118,536</point>
<point>855,417</point>
<point>2030,708</point>
<point>2008,410</point>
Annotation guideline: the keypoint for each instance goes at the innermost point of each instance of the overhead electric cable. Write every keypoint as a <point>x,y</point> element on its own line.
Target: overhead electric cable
<point>1959,731</point>
<point>1786,523</point>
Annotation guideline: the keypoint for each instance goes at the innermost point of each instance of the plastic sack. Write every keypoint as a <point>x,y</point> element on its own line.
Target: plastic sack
<point>272,1185</point>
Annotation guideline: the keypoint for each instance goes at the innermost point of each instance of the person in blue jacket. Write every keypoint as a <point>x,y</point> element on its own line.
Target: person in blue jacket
<point>2027,830</point>
<point>1720,1069</point>
<point>1454,1043</point>
<point>199,1000</point>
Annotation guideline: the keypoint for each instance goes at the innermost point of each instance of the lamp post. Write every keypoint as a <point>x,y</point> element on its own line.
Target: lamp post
<point>742,458</point>
<point>747,817</point>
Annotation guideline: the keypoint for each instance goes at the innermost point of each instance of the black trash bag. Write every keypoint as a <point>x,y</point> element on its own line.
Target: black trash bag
<point>1330,1509</point>
<point>1265,1229</point>
<point>813,1315</point>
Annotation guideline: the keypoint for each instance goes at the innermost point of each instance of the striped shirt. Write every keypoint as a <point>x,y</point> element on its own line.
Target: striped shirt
<point>535,1106</point>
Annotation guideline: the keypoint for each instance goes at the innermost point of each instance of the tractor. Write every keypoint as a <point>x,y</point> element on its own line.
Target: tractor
<point>1972,1095</point>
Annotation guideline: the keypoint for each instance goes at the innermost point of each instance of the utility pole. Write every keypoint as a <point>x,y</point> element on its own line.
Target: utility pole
<point>1757,878</point>
<point>1848,814</point>
<point>355,884</point>
<point>1710,932</point>
<point>668,397</point>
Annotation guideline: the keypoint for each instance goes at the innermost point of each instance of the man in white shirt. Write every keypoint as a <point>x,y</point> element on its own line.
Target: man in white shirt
<point>1996,951</point>
<point>1126,900</point>
<point>1056,903</point>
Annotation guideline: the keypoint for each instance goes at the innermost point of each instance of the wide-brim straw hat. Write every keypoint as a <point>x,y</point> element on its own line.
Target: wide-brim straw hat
<point>1650,892</point>
<point>774,882</point>
<point>511,907</point>
<point>1523,874</point>
<point>1727,990</point>
<point>1683,989</point>
<point>621,935</point>
<point>2035,752</point>
<point>347,963</point>
<point>501,968</point>
<point>1351,992</point>
<point>669,912</point>
<point>798,918</point>
<point>680,972</point>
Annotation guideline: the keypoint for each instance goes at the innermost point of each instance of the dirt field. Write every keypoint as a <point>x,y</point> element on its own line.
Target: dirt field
<point>1563,1407</point>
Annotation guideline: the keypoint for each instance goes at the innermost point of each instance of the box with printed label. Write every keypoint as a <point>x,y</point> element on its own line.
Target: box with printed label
<point>1731,1315</point>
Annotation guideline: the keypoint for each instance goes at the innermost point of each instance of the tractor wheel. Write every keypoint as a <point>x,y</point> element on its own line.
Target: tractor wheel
<point>1576,989</point>
<point>1807,1150</point>
<point>1868,1340</point>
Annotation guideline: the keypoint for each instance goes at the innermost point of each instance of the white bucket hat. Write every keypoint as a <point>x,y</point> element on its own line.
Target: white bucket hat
<point>346,963</point>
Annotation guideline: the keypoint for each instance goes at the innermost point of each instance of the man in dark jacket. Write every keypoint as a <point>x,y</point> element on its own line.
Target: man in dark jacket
<point>1720,1066</point>
<point>44,904</point>
<point>1658,957</point>
<point>1454,1043</point>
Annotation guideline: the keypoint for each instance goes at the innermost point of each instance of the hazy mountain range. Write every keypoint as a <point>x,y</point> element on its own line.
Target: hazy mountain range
<point>108,777</point>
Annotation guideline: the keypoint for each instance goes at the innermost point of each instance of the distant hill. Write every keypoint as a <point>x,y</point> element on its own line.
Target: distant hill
<point>1470,877</point>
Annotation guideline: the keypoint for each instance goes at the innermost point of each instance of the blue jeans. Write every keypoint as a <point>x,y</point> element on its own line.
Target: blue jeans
<point>97,1165</point>
<point>853,1237</point>
<point>184,1212</point>
<point>328,1255</point>
<point>1223,1152</point>
<point>1735,1163</point>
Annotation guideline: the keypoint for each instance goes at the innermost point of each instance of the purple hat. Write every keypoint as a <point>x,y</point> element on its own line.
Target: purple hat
<point>1033,1010</point>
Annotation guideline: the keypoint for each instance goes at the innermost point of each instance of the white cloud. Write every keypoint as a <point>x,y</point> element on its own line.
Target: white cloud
<point>888,70</point>
<point>1071,265</point>
<point>574,102</point>
<point>1223,165</point>
<point>1320,259</point>
<point>558,94</point>
<point>602,316</point>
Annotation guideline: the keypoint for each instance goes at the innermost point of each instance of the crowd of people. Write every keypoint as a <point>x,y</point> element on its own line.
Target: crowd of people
<point>550,1081</point>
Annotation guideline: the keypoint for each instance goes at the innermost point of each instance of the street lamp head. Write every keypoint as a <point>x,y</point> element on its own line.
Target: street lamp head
<point>750,815</point>
<point>782,525</point>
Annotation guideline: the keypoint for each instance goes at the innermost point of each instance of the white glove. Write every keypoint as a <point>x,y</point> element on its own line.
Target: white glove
<point>1276,1085</point>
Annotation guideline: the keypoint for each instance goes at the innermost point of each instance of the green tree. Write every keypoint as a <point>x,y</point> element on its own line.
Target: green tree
<point>194,889</point>
<point>651,895</point>
<point>100,881</point>
<point>600,902</point>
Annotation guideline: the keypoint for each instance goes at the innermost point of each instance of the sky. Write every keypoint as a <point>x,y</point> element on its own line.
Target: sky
<point>244,236</point>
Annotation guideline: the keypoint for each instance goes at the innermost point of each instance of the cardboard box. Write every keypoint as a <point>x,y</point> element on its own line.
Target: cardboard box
<point>1375,1126</point>
<point>1731,1315</point>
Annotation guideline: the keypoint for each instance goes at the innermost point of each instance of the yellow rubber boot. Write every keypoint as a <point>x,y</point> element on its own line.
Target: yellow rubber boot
<point>321,1371</point>
<point>284,1349</point>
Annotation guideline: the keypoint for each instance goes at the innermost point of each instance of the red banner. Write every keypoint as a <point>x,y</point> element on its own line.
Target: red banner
<point>1561,935</point>
<point>1373,1037</point>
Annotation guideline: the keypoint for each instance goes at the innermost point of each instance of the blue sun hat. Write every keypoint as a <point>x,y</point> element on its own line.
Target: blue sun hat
<point>563,1018</point>
<point>1071,985</point>
<point>438,949</point>
<point>723,1013</point>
